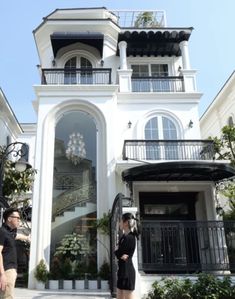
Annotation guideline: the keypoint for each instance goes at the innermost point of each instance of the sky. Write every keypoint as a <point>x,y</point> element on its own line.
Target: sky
<point>211,45</point>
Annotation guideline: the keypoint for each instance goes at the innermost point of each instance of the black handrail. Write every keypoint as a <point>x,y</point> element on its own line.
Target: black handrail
<point>187,246</point>
<point>168,150</point>
<point>76,76</point>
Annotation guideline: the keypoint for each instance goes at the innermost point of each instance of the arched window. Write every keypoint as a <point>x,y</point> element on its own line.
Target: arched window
<point>161,129</point>
<point>76,71</point>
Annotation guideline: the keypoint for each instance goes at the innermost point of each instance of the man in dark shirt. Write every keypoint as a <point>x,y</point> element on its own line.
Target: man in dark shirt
<point>8,253</point>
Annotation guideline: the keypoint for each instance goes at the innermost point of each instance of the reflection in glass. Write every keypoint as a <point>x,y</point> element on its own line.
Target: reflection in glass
<point>74,197</point>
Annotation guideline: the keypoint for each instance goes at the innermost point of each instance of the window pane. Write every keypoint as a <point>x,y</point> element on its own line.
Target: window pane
<point>140,70</point>
<point>86,76</point>
<point>159,70</point>
<point>70,71</point>
<point>74,202</point>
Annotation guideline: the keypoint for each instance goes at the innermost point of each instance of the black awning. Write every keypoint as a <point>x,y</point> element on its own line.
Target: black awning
<point>179,171</point>
<point>160,43</point>
<point>60,40</point>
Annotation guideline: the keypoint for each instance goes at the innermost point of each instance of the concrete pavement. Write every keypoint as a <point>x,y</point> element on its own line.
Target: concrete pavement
<point>22,293</point>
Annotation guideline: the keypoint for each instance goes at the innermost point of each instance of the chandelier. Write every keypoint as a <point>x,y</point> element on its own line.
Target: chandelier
<point>76,148</point>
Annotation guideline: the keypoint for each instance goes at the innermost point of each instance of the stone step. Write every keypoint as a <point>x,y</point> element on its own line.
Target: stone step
<point>23,293</point>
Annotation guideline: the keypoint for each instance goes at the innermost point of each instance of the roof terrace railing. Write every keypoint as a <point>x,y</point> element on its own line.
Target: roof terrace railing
<point>140,18</point>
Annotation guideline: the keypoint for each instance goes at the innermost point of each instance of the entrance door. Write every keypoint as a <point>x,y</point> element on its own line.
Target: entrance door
<point>167,245</point>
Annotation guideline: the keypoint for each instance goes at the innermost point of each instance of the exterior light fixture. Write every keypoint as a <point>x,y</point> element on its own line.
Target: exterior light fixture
<point>53,62</point>
<point>16,150</point>
<point>127,201</point>
<point>219,211</point>
<point>102,62</point>
<point>129,124</point>
<point>190,125</point>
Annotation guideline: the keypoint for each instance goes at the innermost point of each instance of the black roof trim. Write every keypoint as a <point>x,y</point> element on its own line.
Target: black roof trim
<point>179,171</point>
<point>63,39</point>
<point>152,42</point>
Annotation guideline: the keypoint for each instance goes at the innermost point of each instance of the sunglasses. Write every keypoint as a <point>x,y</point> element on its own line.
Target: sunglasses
<point>17,217</point>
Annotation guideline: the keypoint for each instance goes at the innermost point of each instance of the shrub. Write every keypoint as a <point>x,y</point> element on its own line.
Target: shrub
<point>41,273</point>
<point>207,286</point>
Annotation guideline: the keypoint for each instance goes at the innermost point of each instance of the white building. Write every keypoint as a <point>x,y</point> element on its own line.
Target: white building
<point>118,118</point>
<point>222,108</point>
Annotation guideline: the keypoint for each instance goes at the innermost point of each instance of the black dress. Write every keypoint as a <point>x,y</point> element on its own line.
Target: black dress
<point>126,270</point>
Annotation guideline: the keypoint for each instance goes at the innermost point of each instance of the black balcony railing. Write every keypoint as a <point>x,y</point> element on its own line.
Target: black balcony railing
<point>157,84</point>
<point>76,76</point>
<point>187,246</point>
<point>168,150</point>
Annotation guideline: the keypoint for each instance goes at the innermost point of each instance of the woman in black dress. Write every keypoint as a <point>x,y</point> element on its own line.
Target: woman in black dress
<point>124,253</point>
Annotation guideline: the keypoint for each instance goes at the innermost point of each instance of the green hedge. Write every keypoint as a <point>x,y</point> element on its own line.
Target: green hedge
<point>207,286</point>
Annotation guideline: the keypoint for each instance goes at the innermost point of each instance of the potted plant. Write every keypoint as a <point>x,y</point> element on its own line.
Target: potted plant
<point>41,274</point>
<point>104,275</point>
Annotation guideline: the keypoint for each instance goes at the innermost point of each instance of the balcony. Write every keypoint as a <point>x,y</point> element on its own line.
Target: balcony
<point>140,18</point>
<point>187,246</point>
<point>157,84</point>
<point>76,76</point>
<point>184,150</point>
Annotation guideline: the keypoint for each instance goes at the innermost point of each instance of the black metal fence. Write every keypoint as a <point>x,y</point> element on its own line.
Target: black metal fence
<point>187,246</point>
<point>76,76</point>
<point>168,150</point>
<point>157,84</point>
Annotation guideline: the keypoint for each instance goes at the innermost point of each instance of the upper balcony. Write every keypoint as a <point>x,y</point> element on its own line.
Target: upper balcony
<point>140,19</point>
<point>93,76</point>
<point>168,150</point>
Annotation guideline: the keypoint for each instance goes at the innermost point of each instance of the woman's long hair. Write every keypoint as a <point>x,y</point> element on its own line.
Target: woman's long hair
<point>133,223</point>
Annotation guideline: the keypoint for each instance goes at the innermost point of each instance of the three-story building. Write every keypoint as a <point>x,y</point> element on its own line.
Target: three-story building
<point>118,119</point>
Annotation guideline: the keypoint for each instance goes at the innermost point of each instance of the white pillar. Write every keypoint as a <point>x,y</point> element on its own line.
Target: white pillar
<point>185,55</point>
<point>122,52</point>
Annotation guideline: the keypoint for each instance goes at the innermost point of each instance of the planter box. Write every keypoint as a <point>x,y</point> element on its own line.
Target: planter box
<point>53,284</point>
<point>40,285</point>
<point>104,285</point>
<point>67,284</point>
<point>92,285</point>
<point>79,284</point>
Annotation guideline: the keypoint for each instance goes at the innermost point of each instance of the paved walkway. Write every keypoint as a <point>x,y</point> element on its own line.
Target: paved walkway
<point>21,293</point>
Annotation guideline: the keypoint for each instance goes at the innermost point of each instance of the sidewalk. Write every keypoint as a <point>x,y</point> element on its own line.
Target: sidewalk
<point>21,293</point>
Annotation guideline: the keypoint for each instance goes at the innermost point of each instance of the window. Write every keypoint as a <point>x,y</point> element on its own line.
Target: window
<point>230,121</point>
<point>161,128</point>
<point>74,76</point>
<point>147,77</point>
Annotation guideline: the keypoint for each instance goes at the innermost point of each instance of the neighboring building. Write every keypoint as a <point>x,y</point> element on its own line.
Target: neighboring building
<point>222,109</point>
<point>117,112</point>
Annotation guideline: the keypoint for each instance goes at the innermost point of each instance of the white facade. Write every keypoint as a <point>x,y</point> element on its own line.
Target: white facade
<point>132,95</point>
<point>222,109</point>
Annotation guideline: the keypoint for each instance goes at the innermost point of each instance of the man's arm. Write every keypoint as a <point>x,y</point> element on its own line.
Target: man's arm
<point>2,272</point>
<point>23,237</point>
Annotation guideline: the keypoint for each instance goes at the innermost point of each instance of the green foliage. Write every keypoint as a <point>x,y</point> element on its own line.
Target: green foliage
<point>41,273</point>
<point>225,145</point>
<point>207,286</point>
<point>72,246</point>
<point>103,224</point>
<point>146,19</point>
<point>225,150</point>
<point>104,272</point>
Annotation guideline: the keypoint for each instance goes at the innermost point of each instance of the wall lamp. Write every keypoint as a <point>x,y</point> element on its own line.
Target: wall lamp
<point>17,151</point>
<point>53,62</point>
<point>190,124</point>
<point>129,124</point>
<point>219,211</point>
<point>102,62</point>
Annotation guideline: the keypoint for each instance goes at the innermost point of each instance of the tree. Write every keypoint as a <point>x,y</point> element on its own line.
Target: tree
<point>17,184</point>
<point>146,19</point>
<point>225,150</point>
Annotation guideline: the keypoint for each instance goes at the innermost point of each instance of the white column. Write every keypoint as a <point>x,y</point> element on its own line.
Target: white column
<point>122,52</point>
<point>185,55</point>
